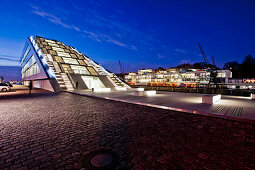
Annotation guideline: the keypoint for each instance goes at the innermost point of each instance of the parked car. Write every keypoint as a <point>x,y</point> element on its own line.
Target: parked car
<point>9,84</point>
<point>4,87</point>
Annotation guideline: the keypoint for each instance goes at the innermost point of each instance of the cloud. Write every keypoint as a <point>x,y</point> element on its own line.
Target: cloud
<point>180,51</point>
<point>93,36</point>
<point>8,58</point>
<point>161,56</point>
<point>103,37</point>
<point>77,28</point>
<point>114,41</point>
<point>52,18</point>
<point>132,47</point>
<point>113,32</point>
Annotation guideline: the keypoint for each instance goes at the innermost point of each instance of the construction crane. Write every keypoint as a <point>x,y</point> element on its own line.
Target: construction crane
<point>211,68</point>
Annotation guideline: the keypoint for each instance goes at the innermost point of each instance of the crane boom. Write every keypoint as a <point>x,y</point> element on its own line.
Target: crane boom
<point>203,54</point>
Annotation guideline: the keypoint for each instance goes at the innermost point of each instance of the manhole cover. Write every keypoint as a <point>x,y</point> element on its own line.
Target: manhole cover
<point>103,159</point>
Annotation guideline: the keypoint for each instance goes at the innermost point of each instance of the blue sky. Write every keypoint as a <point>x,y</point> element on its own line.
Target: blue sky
<point>141,34</point>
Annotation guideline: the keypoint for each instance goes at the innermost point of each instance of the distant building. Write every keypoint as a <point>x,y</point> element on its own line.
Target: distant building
<point>175,77</point>
<point>241,83</point>
<point>55,66</point>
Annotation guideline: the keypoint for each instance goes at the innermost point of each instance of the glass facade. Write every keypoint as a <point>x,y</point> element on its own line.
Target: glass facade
<point>175,77</point>
<point>63,66</point>
<point>30,68</point>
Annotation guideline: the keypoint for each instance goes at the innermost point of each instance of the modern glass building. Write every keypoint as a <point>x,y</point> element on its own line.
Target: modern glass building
<point>54,66</point>
<point>175,77</point>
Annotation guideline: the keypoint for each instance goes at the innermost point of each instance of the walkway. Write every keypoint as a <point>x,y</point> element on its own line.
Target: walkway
<point>59,131</point>
<point>231,107</point>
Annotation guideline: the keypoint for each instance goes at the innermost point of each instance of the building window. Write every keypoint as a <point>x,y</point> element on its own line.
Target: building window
<point>92,70</point>
<point>79,69</point>
<point>70,61</point>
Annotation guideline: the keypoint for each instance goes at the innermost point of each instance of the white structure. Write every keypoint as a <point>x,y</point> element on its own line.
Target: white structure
<point>54,66</point>
<point>210,98</point>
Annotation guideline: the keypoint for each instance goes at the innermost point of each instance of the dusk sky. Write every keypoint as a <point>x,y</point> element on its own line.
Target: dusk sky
<point>139,33</point>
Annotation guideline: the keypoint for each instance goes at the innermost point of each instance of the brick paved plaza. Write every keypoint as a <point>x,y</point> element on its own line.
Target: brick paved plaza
<point>59,131</point>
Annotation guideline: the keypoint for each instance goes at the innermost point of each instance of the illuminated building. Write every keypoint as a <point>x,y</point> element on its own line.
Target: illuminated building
<point>175,77</point>
<point>54,66</point>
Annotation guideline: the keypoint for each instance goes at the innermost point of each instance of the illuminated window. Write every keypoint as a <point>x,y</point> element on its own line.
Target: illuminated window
<point>74,56</point>
<point>48,47</point>
<point>61,46</point>
<point>44,50</point>
<point>50,41</point>
<point>59,59</point>
<point>80,57</point>
<point>67,68</point>
<point>92,70</point>
<point>53,45</point>
<point>66,50</point>
<point>52,52</point>
<point>82,62</point>
<point>44,43</point>
<point>70,60</point>
<point>63,54</point>
<point>58,49</point>
<point>79,69</point>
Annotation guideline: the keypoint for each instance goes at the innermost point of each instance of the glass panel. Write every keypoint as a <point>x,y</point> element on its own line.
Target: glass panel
<point>63,54</point>
<point>67,68</point>
<point>80,69</point>
<point>50,41</point>
<point>74,56</point>
<point>82,62</point>
<point>92,70</point>
<point>53,45</point>
<point>58,49</point>
<point>80,57</point>
<point>61,46</point>
<point>44,51</point>
<point>59,59</point>
<point>52,52</point>
<point>92,82</point>
<point>66,50</point>
<point>48,47</point>
<point>70,60</point>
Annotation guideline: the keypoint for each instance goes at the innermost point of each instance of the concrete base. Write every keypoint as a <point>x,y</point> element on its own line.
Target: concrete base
<point>138,89</point>
<point>150,93</point>
<point>252,96</point>
<point>144,93</point>
<point>120,88</point>
<point>210,99</point>
<point>138,93</point>
<point>101,89</point>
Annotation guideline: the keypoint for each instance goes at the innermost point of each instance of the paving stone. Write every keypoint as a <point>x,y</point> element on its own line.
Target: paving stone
<point>59,131</point>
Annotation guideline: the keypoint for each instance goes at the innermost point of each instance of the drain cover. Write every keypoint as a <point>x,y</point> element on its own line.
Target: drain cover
<point>103,159</point>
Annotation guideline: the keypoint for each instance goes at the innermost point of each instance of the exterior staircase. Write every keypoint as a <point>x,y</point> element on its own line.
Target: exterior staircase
<point>116,81</point>
<point>62,78</point>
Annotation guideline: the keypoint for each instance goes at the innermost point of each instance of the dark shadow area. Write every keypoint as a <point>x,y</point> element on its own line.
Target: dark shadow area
<point>17,94</point>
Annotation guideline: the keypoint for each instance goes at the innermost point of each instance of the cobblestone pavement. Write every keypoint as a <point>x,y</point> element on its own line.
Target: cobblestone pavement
<point>60,131</point>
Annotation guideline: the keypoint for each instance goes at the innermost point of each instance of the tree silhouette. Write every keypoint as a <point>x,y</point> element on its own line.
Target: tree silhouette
<point>247,68</point>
